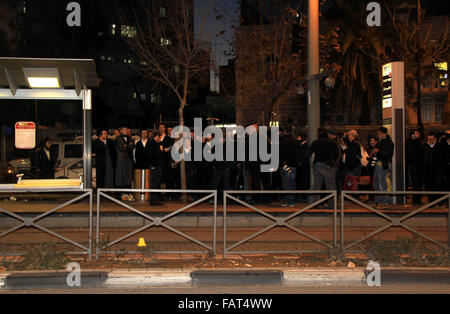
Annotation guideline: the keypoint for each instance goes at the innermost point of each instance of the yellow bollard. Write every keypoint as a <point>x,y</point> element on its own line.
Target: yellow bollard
<point>141,242</point>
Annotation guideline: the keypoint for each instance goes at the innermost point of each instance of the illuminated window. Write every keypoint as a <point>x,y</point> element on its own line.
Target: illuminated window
<point>128,31</point>
<point>443,74</point>
<point>441,66</point>
<point>154,98</point>
<point>165,42</point>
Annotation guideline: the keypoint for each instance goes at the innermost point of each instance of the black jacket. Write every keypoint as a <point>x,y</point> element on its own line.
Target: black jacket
<point>433,159</point>
<point>46,166</point>
<point>289,151</point>
<point>386,151</point>
<point>412,151</point>
<point>141,154</point>
<point>155,155</point>
<point>99,149</point>
<point>352,154</point>
<point>325,151</point>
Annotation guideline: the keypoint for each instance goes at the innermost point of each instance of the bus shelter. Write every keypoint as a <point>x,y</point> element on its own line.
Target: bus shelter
<point>59,80</point>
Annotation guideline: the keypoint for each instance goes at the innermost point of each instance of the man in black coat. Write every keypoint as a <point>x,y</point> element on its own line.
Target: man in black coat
<point>326,154</point>
<point>141,152</point>
<point>412,153</point>
<point>155,160</point>
<point>289,158</point>
<point>124,167</point>
<point>433,163</point>
<point>104,152</point>
<point>46,161</point>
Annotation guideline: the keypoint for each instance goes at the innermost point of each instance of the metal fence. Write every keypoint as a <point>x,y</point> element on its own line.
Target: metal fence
<point>393,222</point>
<point>32,222</point>
<point>278,222</point>
<point>156,221</point>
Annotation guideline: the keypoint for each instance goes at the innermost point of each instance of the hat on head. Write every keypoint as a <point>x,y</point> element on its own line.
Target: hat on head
<point>332,131</point>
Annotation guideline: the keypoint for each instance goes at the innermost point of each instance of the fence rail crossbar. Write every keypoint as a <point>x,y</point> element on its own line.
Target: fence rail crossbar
<point>280,222</point>
<point>155,221</point>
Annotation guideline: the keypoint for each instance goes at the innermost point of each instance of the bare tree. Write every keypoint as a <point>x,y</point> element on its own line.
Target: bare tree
<point>268,68</point>
<point>161,33</point>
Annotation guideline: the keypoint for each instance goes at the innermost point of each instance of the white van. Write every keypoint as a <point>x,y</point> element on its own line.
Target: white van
<point>69,155</point>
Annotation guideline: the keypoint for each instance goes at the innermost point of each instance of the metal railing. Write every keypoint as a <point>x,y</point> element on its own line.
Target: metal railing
<point>393,222</point>
<point>156,221</point>
<point>32,222</point>
<point>278,222</point>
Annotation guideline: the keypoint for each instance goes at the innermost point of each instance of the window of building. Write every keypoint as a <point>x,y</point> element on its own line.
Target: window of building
<point>431,111</point>
<point>128,31</point>
<point>165,42</point>
<point>162,12</point>
<point>443,74</point>
<point>154,98</point>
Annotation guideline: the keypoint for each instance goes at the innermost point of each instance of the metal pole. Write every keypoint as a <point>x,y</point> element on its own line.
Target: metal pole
<point>313,68</point>
<point>419,70</point>
<point>87,139</point>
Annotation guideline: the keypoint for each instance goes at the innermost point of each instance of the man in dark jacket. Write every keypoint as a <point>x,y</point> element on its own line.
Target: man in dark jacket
<point>289,158</point>
<point>141,152</point>
<point>412,153</point>
<point>46,161</point>
<point>326,154</point>
<point>433,163</point>
<point>105,158</point>
<point>124,166</point>
<point>155,160</point>
<point>383,155</point>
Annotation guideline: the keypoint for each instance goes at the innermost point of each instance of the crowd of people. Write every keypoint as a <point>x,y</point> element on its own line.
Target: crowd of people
<point>340,162</point>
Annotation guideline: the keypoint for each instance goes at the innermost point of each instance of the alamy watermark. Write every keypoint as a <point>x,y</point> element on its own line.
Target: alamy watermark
<point>373,277</point>
<point>74,17</point>
<point>73,279</point>
<point>374,17</point>
<point>237,142</point>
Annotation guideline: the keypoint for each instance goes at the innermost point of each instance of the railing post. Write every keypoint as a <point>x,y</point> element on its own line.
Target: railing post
<point>448,224</point>
<point>224,224</point>
<point>341,249</point>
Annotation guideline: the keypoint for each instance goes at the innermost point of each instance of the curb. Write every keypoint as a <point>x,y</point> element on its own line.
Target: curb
<point>180,277</point>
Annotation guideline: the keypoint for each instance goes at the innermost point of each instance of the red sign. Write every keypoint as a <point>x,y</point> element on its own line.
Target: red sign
<point>25,135</point>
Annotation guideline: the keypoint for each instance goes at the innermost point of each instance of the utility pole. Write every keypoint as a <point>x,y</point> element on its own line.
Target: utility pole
<point>313,69</point>
<point>419,69</point>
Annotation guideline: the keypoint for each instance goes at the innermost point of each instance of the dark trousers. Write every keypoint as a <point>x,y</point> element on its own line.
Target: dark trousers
<point>434,181</point>
<point>289,184</point>
<point>414,180</point>
<point>326,174</point>
<point>155,179</point>
<point>221,175</point>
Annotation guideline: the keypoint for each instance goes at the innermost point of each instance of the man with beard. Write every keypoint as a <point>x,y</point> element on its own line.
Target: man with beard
<point>412,153</point>
<point>155,159</point>
<point>104,152</point>
<point>124,167</point>
<point>433,162</point>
